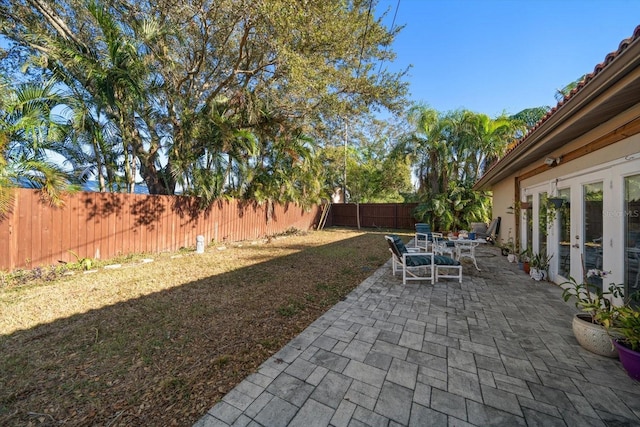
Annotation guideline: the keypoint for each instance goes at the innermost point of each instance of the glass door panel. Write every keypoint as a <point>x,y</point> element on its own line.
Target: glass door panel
<point>528,217</point>
<point>592,220</point>
<point>542,223</point>
<point>632,234</point>
<point>564,234</point>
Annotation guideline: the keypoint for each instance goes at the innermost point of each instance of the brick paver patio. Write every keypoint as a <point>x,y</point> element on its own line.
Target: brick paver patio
<point>496,349</point>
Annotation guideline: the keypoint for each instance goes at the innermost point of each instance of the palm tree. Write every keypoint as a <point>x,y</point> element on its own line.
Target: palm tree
<point>111,91</point>
<point>487,141</point>
<point>565,91</point>
<point>452,151</point>
<point>30,135</point>
<point>429,147</point>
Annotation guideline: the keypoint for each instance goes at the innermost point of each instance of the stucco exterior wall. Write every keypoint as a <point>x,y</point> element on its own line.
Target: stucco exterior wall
<point>618,150</point>
<point>503,198</point>
<point>504,192</point>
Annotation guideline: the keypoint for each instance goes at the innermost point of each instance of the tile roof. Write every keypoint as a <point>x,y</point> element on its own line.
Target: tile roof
<point>587,78</point>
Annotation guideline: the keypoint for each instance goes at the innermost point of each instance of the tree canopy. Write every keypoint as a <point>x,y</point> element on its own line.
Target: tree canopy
<point>451,152</point>
<point>211,98</point>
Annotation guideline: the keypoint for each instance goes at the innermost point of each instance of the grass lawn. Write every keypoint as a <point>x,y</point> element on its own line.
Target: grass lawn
<point>158,343</point>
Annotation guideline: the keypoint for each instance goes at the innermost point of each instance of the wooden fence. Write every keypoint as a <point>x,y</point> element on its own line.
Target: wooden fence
<point>106,225</point>
<point>378,215</point>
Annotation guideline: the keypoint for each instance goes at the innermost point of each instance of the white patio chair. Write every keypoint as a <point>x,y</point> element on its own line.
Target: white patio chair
<point>467,249</point>
<point>440,246</point>
<point>423,239</point>
<point>420,265</point>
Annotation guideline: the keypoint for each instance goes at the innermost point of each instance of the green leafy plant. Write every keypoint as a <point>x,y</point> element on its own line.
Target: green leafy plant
<point>525,255</point>
<point>623,324</point>
<point>591,299</point>
<point>82,263</point>
<point>541,261</point>
<point>507,247</point>
<point>547,213</point>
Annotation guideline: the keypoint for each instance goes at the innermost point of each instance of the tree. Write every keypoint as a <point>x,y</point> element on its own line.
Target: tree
<point>486,141</point>
<point>451,151</point>
<point>30,133</point>
<point>186,77</point>
<point>363,153</point>
<point>530,116</point>
<point>565,91</point>
<point>374,175</point>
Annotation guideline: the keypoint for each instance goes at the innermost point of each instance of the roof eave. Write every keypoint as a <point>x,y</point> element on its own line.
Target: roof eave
<point>615,66</point>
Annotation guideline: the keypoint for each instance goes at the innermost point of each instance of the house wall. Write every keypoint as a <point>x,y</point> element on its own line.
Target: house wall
<point>504,191</point>
<point>608,165</point>
<point>503,198</point>
<point>618,150</point>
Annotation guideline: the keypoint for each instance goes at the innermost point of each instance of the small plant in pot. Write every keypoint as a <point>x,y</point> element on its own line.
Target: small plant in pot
<point>525,259</point>
<point>508,250</point>
<point>595,305</point>
<point>623,325</point>
<point>539,266</point>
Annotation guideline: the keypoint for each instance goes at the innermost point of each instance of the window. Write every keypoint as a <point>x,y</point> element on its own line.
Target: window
<point>631,216</point>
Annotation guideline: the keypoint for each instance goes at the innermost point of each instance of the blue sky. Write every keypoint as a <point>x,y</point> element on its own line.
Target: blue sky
<point>490,56</point>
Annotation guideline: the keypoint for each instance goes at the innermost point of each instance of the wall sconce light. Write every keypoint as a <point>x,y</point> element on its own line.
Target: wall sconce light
<point>552,161</point>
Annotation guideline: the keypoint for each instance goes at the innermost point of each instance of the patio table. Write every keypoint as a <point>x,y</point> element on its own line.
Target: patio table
<point>466,248</point>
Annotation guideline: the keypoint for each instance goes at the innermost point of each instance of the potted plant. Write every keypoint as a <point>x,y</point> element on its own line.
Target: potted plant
<point>595,306</point>
<point>623,325</point>
<point>525,259</point>
<point>507,249</point>
<point>547,213</point>
<point>556,201</point>
<point>540,266</point>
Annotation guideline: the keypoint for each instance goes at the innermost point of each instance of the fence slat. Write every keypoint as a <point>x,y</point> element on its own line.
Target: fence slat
<point>34,233</point>
<point>109,224</point>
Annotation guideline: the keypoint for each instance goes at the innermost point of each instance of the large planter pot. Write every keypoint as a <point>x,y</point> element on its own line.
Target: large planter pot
<point>593,337</point>
<point>630,360</point>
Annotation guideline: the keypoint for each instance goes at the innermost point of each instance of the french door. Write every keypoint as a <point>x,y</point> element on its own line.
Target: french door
<point>573,229</point>
<point>595,229</point>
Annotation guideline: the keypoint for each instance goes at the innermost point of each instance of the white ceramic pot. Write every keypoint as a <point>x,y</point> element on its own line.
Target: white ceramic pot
<point>593,337</point>
<point>535,274</point>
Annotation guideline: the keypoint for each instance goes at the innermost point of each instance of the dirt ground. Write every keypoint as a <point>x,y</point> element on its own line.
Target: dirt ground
<point>159,343</point>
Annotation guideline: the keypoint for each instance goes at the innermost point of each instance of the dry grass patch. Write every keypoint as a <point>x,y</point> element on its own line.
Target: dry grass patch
<point>159,343</point>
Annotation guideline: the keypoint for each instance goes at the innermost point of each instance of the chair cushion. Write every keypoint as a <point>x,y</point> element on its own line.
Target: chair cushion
<point>420,260</point>
<point>423,228</point>
<point>399,244</point>
<point>444,260</point>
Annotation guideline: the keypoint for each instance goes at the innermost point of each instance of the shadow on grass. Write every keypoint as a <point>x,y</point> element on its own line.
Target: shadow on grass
<point>167,357</point>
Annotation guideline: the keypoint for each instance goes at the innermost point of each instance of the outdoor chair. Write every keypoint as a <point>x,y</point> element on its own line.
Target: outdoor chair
<point>467,249</point>
<point>420,265</point>
<point>441,246</point>
<point>423,236</point>
<point>480,228</point>
<point>492,231</point>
